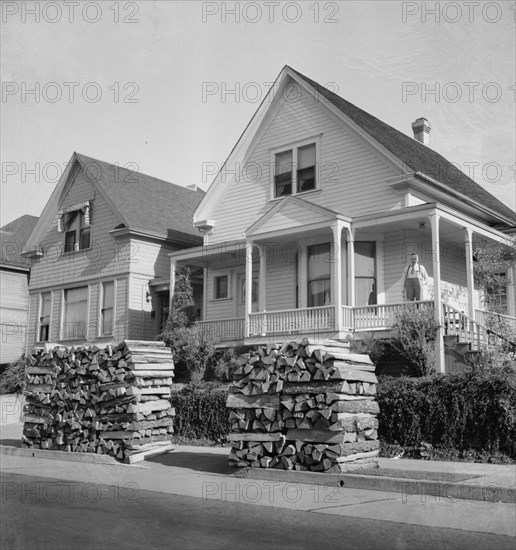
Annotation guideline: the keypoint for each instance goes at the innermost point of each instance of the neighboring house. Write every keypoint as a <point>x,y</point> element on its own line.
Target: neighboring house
<point>100,270</point>
<point>312,219</point>
<point>14,287</point>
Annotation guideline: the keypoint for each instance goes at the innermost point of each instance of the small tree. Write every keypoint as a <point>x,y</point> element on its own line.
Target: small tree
<point>414,334</point>
<point>192,353</point>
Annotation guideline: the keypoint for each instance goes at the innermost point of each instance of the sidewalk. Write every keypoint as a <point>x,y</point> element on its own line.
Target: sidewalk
<point>203,472</point>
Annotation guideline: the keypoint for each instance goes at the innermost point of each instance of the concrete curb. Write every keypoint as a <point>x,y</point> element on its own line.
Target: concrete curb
<point>447,491</point>
<point>85,458</point>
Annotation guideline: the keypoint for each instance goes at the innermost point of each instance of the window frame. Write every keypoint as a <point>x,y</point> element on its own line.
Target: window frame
<point>63,313</point>
<point>325,279</point>
<point>40,325</point>
<point>216,295</point>
<point>78,229</point>
<point>101,331</point>
<point>294,147</point>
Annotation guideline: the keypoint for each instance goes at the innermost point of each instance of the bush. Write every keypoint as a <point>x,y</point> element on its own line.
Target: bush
<point>201,413</point>
<point>12,379</point>
<point>193,355</point>
<point>414,334</point>
<point>461,413</point>
<point>368,343</point>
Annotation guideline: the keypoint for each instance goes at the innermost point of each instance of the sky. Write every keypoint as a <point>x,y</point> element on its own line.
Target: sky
<point>167,87</point>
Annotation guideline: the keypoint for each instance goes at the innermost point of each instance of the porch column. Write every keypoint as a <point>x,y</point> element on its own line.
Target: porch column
<point>262,295</point>
<point>468,237</point>
<point>204,315</point>
<point>172,284</point>
<point>436,264</point>
<point>336,273</point>
<point>302,270</point>
<point>248,285</point>
<point>351,267</point>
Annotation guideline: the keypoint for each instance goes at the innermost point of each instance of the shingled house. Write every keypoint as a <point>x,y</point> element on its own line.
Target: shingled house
<point>100,270</point>
<point>310,223</point>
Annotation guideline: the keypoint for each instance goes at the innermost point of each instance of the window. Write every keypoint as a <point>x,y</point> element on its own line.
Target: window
<point>75,312</point>
<point>497,294</point>
<point>44,316</point>
<point>77,231</point>
<point>220,287</point>
<point>294,170</point>
<point>107,310</point>
<point>319,281</point>
<point>365,273</point>
<point>254,292</point>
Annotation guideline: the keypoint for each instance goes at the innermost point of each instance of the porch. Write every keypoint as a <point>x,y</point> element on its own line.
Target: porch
<point>458,329</point>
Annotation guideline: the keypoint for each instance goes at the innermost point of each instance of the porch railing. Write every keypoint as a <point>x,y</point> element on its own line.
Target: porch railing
<point>292,320</point>
<point>497,322</point>
<point>225,330</point>
<point>466,329</point>
<point>382,316</point>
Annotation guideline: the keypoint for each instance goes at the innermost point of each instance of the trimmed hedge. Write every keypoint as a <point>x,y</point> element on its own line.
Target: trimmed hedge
<point>463,412</point>
<point>471,416</point>
<point>201,413</point>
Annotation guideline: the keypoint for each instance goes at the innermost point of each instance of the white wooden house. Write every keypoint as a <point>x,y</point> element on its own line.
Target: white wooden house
<point>310,222</point>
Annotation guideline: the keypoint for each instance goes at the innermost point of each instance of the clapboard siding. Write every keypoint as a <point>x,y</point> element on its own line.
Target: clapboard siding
<point>150,259</point>
<point>352,176</point>
<point>397,248</point>
<point>14,293</point>
<point>281,282</point>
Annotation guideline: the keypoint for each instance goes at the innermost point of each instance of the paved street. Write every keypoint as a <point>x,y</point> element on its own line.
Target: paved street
<point>47,513</point>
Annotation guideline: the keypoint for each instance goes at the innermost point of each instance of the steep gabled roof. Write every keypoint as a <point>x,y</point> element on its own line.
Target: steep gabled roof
<point>13,237</point>
<point>417,157</point>
<point>145,203</point>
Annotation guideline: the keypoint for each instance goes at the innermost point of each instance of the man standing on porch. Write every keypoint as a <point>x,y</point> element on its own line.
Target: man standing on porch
<point>414,276</point>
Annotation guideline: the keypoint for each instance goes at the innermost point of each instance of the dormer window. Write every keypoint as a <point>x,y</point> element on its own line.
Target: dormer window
<point>295,170</point>
<point>77,231</point>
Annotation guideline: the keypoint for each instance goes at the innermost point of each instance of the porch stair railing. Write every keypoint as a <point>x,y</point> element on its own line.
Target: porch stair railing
<point>470,331</point>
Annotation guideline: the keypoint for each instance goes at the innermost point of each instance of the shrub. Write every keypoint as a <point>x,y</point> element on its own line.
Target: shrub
<point>414,334</point>
<point>193,355</point>
<point>371,345</point>
<point>12,379</point>
<point>468,412</point>
<point>201,413</point>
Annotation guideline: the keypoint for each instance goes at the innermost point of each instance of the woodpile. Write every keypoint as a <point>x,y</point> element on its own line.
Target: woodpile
<point>112,401</point>
<point>304,406</point>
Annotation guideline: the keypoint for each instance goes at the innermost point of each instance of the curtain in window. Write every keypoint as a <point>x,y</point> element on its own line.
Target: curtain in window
<point>75,312</point>
<point>108,301</point>
<point>306,168</point>
<point>283,173</point>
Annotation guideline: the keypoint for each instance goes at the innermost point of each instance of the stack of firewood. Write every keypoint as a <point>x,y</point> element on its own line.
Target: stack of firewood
<point>111,401</point>
<point>305,407</point>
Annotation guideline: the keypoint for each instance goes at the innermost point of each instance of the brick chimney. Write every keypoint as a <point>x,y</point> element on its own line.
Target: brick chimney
<point>421,128</point>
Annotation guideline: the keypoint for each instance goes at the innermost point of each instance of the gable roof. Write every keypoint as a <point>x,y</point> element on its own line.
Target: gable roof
<point>292,212</point>
<point>13,237</point>
<point>414,159</point>
<point>418,157</point>
<point>145,203</point>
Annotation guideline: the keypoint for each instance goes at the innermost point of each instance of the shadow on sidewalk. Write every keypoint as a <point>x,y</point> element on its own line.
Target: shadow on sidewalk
<point>200,462</point>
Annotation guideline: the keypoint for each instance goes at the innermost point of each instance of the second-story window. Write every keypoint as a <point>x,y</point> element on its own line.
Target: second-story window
<point>77,231</point>
<point>295,170</point>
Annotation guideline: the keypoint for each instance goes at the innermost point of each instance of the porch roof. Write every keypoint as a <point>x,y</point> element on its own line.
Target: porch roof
<point>292,213</point>
<point>199,254</point>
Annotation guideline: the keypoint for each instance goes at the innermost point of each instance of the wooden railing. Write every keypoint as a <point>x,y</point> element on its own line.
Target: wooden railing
<point>382,316</point>
<point>225,330</point>
<point>292,320</point>
<point>348,316</point>
<point>467,330</point>
<point>497,322</point>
